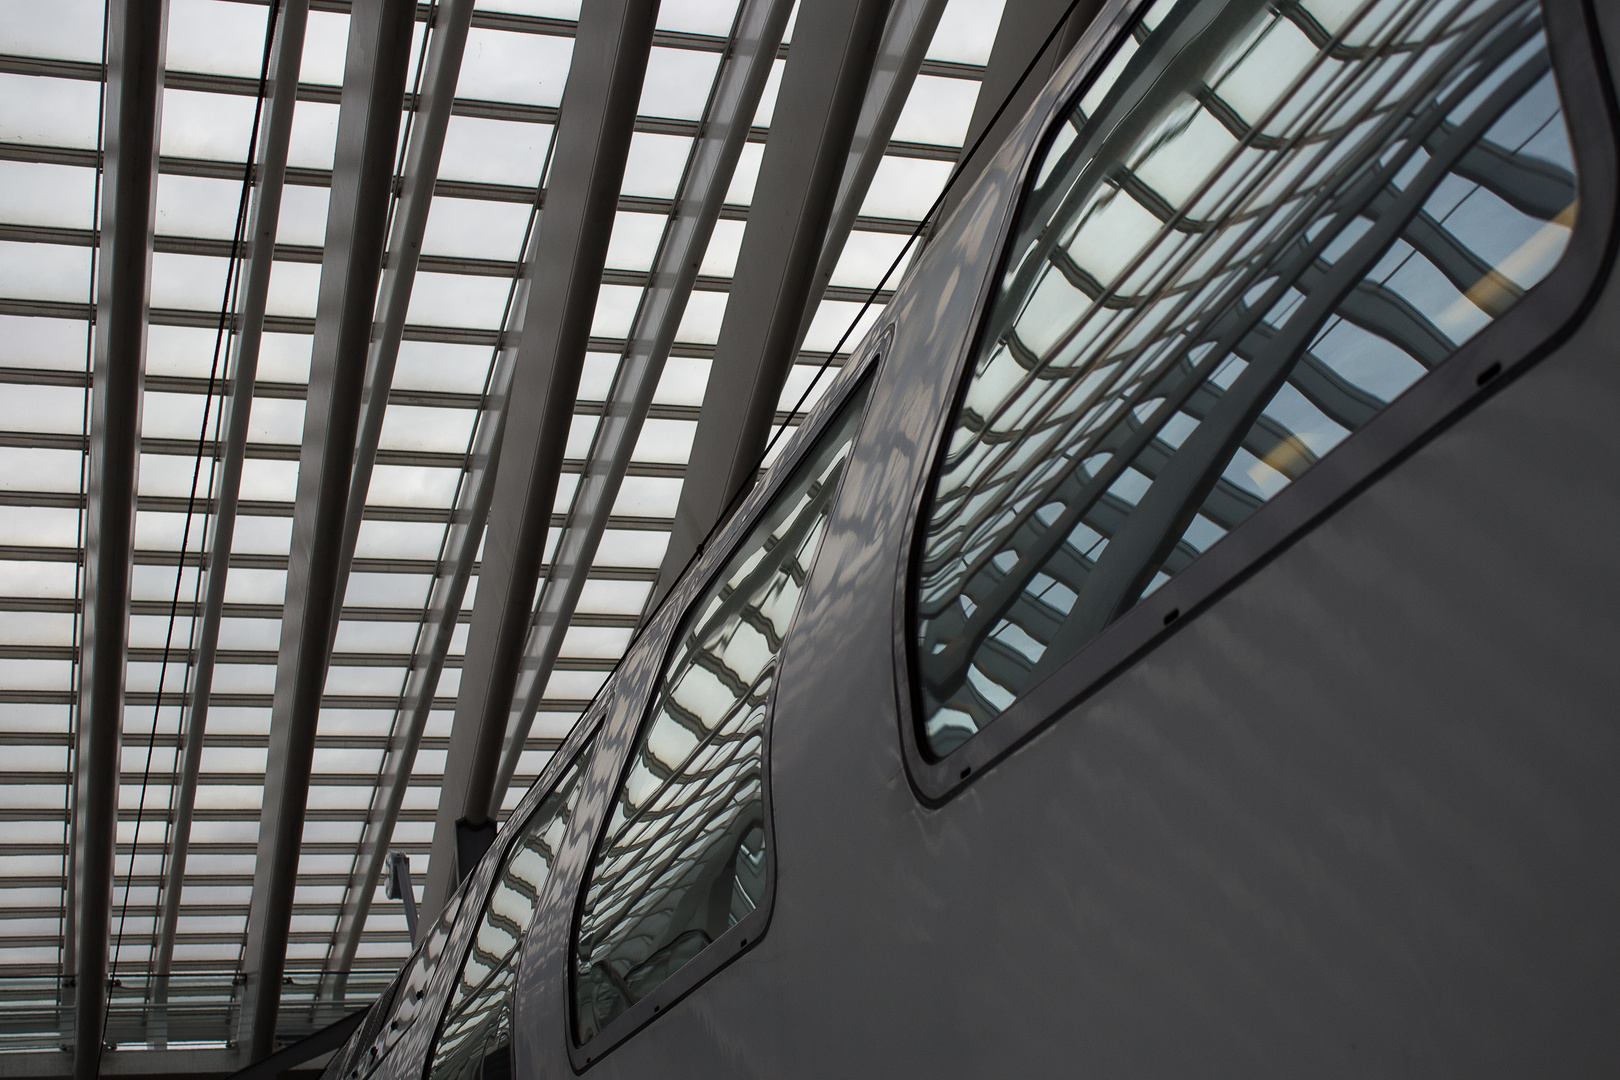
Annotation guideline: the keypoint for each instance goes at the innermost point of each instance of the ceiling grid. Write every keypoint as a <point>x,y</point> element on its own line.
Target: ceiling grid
<point>375,773</point>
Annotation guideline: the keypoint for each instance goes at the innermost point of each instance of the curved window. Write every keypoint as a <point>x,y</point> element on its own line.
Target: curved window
<point>684,857</point>
<point>1257,227</point>
<point>475,1040</point>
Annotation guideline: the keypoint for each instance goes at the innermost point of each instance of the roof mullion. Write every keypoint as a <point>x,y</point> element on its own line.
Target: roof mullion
<point>243,371</point>
<point>733,101</point>
<point>368,129</point>
<point>826,76</point>
<point>133,94</point>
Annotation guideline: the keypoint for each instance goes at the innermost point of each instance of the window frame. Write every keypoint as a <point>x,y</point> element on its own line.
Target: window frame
<point>480,882</point>
<point>688,590</point>
<point>1502,351</point>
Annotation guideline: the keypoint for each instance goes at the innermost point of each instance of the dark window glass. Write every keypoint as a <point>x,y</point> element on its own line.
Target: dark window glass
<point>683,858</point>
<point>1260,225</point>
<point>476,1039</point>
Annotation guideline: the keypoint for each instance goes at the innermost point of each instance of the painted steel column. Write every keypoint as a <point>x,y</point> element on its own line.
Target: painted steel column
<point>244,367</point>
<point>824,83</point>
<point>368,129</point>
<point>1024,27</point>
<point>136,31</point>
<point>593,133</point>
<point>755,36</point>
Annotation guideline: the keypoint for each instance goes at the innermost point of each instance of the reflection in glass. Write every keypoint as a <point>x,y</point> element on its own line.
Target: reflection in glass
<point>402,1005</point>
<point>476,1039</point>
<point>683,859</point>
<point>1258,227</point>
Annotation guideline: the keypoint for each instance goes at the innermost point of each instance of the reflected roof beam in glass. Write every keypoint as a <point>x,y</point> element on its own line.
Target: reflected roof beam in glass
<point>1025,26</point>
<point>732,104</point>
<point>265,218</point>
<point>828,70</point>
<point>611,48</point>
<point>445,52</point>
<point>367,132</point>
<point>135,39</point>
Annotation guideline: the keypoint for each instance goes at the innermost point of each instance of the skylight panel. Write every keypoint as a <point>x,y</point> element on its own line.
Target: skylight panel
<point>44,271</point>
<point>937,111</point>
<point>474,228</point>
<point>615,309</point>
<point>489,151</point>
<point>48,112</point>
<point>326,48</point>
<point>203,125</point>
<point>713,17</point>
<point>210,36</point>
<point>677,83</point>
<point>441,366</point>
<point>905,187</point>
<point>527,69</point>
<point>458,300</point>
<point>43,343</point>
<point>197,206</point>
<point>655,165</point>
<point>700,322</point>
<point>66,30</point>
<point>966,32</point>
<point>741,191</point>
<point>683,381</point>
<point>866,257</point>
<point>54,195</point>
<point>766,111</point>
<point>42,409</point>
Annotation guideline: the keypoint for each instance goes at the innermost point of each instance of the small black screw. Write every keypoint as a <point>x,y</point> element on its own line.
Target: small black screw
<point>1172,615</point>
<point>1488,374</point>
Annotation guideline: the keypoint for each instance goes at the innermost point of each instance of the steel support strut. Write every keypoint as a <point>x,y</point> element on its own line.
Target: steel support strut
<point>755,37</point>
<point>368,129</point>
<point>593,134</point>
<point>244,366</point>
<point>828,70</point>
<point>446,49</point>
<point>135,46</point>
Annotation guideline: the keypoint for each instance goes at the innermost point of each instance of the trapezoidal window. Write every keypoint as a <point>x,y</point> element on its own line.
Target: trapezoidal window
<point>1259,224</point>
<point>684,856</point>
<point>475,1040</point>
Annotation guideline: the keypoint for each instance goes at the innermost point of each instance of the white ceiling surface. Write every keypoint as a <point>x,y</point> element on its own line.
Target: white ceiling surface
<point>48,132</point>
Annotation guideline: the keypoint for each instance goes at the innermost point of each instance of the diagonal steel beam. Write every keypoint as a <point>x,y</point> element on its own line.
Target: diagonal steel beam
<point>288,49</point>
<point>440,74</point>
<point>592,139</point>
<point>135,43</point>
<point>755,36</point>
<point>446,49</point>
<point>824,85</point>
<point>906,38</point>
<point>368,129</point>
<point>1024,27</point>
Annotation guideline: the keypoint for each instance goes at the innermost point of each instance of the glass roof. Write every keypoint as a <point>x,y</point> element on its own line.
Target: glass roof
<point>507,102</point>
